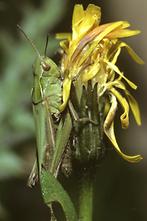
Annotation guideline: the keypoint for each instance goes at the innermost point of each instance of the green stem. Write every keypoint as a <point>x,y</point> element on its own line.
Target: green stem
<point>86,197</point>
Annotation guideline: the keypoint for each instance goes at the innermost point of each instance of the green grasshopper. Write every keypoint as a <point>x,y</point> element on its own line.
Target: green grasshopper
<point>51,139</point>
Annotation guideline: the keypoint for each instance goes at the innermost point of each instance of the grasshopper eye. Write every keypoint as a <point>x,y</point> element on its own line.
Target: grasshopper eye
<point>45,66</point>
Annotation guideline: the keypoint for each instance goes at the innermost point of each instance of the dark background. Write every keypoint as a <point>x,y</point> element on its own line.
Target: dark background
<point>121,192</point>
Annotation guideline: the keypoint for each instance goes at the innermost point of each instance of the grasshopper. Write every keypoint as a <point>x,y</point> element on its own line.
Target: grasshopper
<point>46,100</point>
<point>51,138</point>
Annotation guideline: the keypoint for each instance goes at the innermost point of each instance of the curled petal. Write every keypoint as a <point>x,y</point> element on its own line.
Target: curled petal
<point>116,83</point>
<point>111,114</point>
<point>134,107</point>
<point>109,131</point>
<point>119,84</point>
<point>132,53</point>
<point>125,116</point>
<point>66,93</point>
<point>116,69</point>
<point>111,135</point>
<point>132,101</point>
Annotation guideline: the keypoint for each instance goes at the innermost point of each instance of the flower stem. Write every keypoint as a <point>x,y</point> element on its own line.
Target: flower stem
<point>86,197</point>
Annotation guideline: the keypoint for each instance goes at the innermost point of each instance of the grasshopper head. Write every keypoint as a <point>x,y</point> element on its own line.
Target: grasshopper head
<point>43,66</point>
<point>46,64</point>
<point>49,67</point>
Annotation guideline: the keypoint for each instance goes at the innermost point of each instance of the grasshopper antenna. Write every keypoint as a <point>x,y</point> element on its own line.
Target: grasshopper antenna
<point>29,40</point>
<point>46,44</point>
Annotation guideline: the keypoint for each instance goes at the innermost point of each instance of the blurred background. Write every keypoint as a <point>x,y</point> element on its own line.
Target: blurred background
<point>121,188</point>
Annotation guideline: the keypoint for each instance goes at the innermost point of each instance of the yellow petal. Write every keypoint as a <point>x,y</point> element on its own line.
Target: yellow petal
<point>125,116</point>
<point>123,33</point>
<point>109,28</point>
<point>115,56</point>
<point>90,73</point>
<point>111,135</point>
<point>116,69</point>
<point>78,15</point>
<point>109,131</point>
<point>83,21</point>
<point>132,101</point>
<point>125,24</point>
<point>119,84</point>
<point>112,111</point>
<point>106,108</point>
<point>134,107</point>
<point>132,53</point>
<point>64,46</point>
<point>63,36</point>
<point>95,12</point>
<point>115,83</point>
<point>88,38</point>
<point>66,93</point>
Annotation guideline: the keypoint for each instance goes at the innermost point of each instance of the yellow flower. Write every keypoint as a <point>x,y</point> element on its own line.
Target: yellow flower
<point>91,53</point>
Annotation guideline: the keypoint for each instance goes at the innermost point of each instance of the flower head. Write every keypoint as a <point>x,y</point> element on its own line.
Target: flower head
<point>91,53</point>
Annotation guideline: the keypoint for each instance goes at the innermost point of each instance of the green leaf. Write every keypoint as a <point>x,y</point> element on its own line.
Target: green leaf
<point>52,191</point>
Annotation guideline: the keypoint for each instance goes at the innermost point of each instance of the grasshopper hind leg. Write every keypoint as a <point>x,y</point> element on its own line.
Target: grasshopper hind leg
<point>33,178</point>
